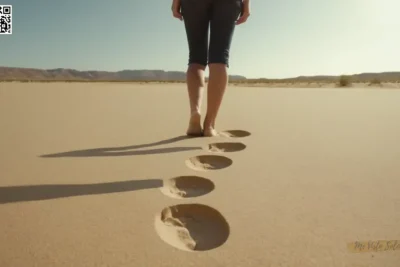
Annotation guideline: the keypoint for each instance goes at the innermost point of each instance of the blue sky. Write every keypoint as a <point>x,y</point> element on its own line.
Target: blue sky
<point>283,38</point>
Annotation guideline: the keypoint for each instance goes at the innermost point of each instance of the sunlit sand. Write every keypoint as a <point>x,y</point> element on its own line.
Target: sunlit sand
<point>103,174</point>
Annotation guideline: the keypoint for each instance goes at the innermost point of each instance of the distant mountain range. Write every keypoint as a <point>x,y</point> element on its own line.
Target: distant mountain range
<point>7,73</point>
<point>362,77</point>
<point>30,74</point>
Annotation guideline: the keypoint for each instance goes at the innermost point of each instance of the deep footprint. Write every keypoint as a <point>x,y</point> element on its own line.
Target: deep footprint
<point>225,147</point>
<point>235,133</point>
<point>192,227</point>
<point>187,187</point>
<point>208,162</point>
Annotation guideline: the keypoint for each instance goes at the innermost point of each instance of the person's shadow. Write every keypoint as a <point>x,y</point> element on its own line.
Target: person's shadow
<point>126,150</point>
<point>10,194</point>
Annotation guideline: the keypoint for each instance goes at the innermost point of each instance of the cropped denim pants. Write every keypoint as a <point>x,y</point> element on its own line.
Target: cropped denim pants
<point>218,16</point>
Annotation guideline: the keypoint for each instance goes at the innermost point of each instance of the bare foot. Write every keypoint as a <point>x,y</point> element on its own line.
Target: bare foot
<point>210,132</point>
<point>194,128</point>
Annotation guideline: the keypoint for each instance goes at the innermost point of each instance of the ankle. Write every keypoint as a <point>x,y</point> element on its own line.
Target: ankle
<point>210,132</point>
<point>208,124</point>
<point>195,113</point>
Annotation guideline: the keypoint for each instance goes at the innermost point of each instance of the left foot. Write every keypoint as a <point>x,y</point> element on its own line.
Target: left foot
<point>194,128</point>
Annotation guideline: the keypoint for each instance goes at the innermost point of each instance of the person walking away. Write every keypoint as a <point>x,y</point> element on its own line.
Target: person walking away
<point>220,17</point>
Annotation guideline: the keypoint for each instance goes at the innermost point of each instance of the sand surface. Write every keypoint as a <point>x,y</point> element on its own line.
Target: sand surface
<point>83,167</point>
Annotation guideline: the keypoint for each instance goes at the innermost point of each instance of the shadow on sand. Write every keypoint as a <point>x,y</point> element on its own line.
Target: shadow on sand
<point>10,194</point>
<point>126,150</point>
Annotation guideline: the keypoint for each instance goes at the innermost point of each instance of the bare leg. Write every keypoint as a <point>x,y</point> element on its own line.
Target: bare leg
<point>195,84</point>
<point>217,83</point>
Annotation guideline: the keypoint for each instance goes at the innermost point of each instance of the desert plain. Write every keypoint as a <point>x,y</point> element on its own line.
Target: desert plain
<point>102,174</point>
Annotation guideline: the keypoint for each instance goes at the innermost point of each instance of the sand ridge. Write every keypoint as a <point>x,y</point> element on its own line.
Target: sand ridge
<point>208,162</point>
<point>187,187</point>
<point>235,133</point>
<point>223,147</point>
<point>192,227</point>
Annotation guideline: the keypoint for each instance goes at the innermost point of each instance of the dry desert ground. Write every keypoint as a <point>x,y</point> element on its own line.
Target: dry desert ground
<point>102,175</point>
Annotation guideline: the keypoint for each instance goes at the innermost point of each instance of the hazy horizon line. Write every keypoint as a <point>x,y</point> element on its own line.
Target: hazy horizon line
<point>115,71</point>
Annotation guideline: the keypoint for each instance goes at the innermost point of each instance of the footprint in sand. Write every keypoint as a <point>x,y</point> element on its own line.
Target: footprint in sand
<point>208,162</point>
<point>224,147</point>
<point>235,133</point>
<point>197,227</point>
<point>192,227</point>
<point>187,187</point>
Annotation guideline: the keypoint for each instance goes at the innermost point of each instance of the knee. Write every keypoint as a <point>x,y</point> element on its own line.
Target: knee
<point>196,68</point>
<point>195,72</point>
<point>218,67</point>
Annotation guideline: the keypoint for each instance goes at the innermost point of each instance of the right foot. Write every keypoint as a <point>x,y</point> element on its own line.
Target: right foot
<point>210,132</point>
<point>209,128</point>
<point>194,128</point>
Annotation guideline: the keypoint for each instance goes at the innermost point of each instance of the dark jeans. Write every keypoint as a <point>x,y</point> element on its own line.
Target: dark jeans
<point>218,15</point>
